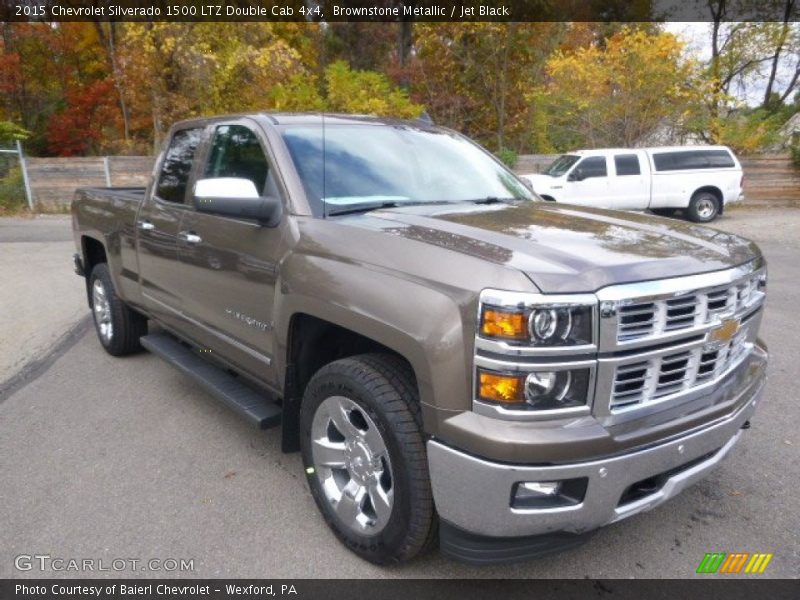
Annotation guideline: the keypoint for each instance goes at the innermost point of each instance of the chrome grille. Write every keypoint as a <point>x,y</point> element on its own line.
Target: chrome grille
<point>652,318</point>
<point>640,382</point>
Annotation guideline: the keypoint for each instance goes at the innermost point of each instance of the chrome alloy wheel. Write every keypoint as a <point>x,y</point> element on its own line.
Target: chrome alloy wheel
<point>102,311</point>
<point>706,207</point>
<point>352,464</point>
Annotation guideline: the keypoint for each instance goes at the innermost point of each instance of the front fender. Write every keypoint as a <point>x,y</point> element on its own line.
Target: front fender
<point>421,323</point>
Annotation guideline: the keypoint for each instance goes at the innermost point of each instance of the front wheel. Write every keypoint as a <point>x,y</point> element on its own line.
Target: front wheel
<point>118,326</point>
<point>703,207</point>
<point>364,454</point>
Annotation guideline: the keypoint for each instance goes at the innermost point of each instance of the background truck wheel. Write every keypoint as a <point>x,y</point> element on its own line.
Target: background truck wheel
<point>364,455</point>
<point>703,208</point>
<point>118,327</point>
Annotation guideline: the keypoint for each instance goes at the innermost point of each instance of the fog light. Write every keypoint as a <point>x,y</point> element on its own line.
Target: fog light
<point>549,494</point>
<point>537,489</point>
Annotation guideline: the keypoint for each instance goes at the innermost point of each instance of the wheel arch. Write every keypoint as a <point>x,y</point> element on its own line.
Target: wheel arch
<point>711,189</point>
<point>313,342</point>
<point>93,252</point>
<point>361,310</point>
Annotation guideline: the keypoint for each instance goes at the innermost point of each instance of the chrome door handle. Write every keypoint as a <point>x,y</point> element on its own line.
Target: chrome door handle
<point>190,238</point>
<point>146,226</point>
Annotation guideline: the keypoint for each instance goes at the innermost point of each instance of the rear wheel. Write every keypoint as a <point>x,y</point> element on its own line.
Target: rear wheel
<point>118,326</point>
<point>364,454</point>
<point>703,207</point>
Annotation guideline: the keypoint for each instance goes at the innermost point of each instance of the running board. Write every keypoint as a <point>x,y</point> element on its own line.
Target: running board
<point>219,383</point>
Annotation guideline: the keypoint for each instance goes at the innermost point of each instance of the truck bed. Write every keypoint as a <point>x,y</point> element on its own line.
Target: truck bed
<point>135,194</point>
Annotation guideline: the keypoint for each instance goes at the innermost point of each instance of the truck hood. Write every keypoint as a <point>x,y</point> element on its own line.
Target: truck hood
<point>542,183</point>
<point>564,248</point>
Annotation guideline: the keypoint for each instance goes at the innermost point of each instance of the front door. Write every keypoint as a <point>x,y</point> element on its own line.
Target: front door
<point>158,226</point>
<point>587,183</point>
<point>230,265</point>
<point>631,183</point>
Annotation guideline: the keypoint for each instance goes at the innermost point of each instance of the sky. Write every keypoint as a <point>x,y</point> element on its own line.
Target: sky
<point>697,36</point>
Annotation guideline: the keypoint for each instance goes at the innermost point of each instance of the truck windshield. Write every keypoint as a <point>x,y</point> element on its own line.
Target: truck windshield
<point>561,165</point>
<point>355,167</point>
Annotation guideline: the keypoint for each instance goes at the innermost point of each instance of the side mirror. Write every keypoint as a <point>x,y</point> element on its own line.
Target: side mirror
<point>236,197</point>
<point>576,175</point>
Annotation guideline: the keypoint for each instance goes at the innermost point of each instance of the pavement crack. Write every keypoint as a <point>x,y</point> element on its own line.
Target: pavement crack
<point>37,367</point>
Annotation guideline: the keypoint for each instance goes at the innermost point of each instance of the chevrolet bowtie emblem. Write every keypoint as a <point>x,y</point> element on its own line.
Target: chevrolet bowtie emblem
<point>725,332</point>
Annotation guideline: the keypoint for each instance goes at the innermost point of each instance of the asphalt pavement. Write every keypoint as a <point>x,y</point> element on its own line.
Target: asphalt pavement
<point>119,459</point>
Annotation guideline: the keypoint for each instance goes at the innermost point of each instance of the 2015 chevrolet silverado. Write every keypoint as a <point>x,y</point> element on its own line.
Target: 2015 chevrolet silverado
<point>454,358</point>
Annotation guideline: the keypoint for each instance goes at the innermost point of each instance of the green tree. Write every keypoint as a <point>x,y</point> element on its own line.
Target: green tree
<point>11,132</point>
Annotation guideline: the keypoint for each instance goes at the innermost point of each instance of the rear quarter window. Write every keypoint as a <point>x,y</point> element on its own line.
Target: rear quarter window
<point>686,160</point>
<point>627,164</point>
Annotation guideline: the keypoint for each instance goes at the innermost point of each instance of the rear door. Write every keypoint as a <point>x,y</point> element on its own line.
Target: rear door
<point>588,183</point>
<point>630,182</point>
<point>230,265</point>
<point>158,226</point>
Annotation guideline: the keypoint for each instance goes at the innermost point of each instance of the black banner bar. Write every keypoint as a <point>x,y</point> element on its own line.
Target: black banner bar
<point>397,10</point>
<point>709,588</point>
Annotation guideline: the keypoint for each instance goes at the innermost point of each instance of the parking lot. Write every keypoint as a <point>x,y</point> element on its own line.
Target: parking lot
<point>105,458</point>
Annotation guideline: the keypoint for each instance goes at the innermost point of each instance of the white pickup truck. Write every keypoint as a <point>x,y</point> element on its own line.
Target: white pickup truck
<point>698,179</point>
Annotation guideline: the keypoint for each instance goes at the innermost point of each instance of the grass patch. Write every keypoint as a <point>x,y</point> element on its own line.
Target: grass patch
<point>12,193</point>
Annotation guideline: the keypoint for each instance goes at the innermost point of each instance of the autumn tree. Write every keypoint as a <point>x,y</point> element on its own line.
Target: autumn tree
<point>180,70</point>
<point>614,95</point>
<point>345,90</point>
<point>474,77</point>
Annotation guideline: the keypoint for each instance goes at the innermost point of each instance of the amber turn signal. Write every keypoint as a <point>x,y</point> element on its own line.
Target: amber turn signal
<point>508,389</point>
<point>504,324</point>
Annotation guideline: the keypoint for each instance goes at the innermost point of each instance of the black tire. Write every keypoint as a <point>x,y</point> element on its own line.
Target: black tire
<point>703,207</point>
<point>127,325</point>
<point>383,387</point>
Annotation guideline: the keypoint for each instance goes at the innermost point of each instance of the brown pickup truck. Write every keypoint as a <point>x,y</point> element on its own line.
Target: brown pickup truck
<point>455,359</point>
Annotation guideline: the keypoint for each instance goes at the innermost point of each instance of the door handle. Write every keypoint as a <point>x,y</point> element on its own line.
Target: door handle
<point>146,226</point>
<point>189,237</point>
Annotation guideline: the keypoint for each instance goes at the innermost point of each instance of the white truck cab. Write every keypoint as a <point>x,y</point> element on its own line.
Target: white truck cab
<point>699,179</point>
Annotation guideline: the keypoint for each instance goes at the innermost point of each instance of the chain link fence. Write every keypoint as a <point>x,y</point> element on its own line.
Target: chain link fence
<point>14,188</point>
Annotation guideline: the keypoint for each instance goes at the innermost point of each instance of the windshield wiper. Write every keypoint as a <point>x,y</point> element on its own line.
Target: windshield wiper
<point>492,200</point>
<point>362,207</point>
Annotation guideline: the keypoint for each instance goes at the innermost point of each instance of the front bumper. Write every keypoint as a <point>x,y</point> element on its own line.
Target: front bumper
<point>474,495</point>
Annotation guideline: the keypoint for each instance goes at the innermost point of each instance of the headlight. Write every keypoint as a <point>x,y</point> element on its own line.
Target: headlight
<point>543,324</point>
<point>535,354</point>
<point>537,390</point>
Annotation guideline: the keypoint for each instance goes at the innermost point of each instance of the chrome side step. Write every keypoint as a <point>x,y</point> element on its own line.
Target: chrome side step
<point>226,388</point>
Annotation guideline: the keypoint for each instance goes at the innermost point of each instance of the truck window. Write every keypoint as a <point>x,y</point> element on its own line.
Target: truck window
<point>627,164</point>
<point>693,159</point>
<point>177,164</point>
<point>593,166</point>
<point>235,152</point>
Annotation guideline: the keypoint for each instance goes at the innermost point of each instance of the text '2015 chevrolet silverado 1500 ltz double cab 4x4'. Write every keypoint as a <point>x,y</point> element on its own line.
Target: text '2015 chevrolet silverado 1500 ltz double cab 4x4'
<point>455,359</point>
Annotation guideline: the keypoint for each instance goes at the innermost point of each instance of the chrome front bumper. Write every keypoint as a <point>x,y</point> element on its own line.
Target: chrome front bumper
<point>475,495</point>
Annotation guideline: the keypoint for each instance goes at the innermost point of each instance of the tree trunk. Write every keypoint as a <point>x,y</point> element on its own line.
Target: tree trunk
<point>789,6</point>
<point>109,42</point>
